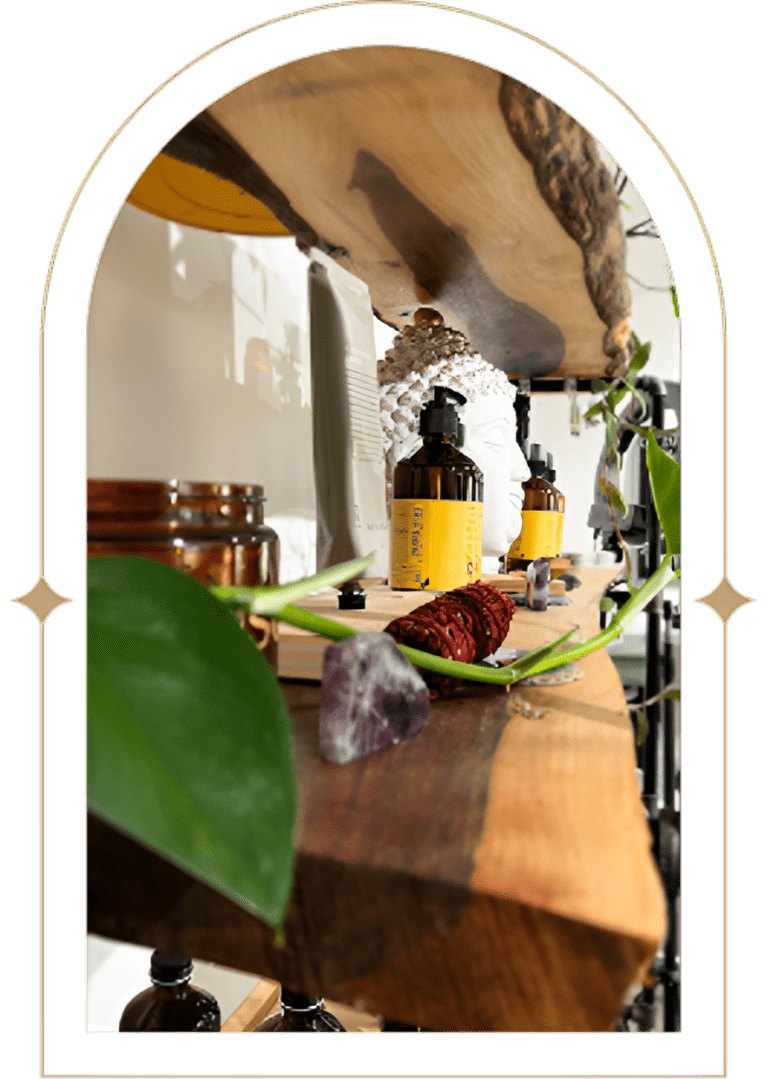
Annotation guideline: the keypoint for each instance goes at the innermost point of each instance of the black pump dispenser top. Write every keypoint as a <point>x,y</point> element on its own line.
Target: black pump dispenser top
<point>439,417</point>
<point>536,463</point>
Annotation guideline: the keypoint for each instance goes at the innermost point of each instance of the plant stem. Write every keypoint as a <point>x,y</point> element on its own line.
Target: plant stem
<point>325,627</point>
<point>523,668</point>
<point>663,576</point>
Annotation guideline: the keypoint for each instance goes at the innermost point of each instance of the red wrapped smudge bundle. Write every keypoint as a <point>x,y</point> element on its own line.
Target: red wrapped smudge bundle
<point>466,624</point>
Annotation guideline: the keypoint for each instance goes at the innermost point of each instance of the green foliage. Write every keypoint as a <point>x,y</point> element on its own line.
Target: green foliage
<point>335,631</point>
<point>615,392</point>
<point>188,740</point>
<point>675,304</point>
<point>606,604</point>
<point>613,495</point>
<point>189,748</point>
<point>664,474</point>
<point>640,357</point>
<point>266,600</point>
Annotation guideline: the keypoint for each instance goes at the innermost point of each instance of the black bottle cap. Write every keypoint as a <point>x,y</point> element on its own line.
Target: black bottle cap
<point>439,417</point>
<point>352,597</point>
<point>299,1002</point>
<point>311,1009</point>
<point>170,969</point>
<point>550,473</point>
<point>536,461</point>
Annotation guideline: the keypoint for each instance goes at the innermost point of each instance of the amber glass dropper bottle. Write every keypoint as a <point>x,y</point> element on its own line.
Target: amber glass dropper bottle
<point>542,515</point>
<point>171,1003</point>
<point>300,1014</point>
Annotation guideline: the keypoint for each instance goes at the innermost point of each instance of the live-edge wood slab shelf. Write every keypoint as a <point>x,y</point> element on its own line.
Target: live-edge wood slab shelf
<point>493,873</point>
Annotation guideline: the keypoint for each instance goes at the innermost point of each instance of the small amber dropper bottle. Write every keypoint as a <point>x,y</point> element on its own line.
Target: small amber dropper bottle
<point>171,1003</point>
<point>300,1014</point>
<point>542,515</point>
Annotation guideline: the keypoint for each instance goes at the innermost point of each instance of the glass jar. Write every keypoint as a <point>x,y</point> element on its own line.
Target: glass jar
<point>172,1002</point>
<point>214,532</point>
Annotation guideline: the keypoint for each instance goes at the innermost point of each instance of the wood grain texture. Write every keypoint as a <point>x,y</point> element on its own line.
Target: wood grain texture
<point>493,873</point>
<point>264,1001</point>
<point>205,143</point>
<point>261,1002</point>
<point>578,189</point>
<point>401,160</point>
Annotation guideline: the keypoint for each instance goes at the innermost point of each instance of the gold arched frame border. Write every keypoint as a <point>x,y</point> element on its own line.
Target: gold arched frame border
<point>43,606</point>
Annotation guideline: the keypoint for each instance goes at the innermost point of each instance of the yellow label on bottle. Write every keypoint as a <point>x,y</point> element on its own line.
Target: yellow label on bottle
<point>435,543</point>
<point>541,535</point>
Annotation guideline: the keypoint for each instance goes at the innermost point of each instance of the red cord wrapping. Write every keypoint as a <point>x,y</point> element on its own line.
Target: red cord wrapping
<point>466,624</point>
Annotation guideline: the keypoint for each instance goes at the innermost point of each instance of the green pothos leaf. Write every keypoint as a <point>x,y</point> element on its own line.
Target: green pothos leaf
<point>611,434</point>
<point>664,472</point>
<point>189,748</point>
<point>640,357</point>
<point>595,410</point>
<point>640,400</point>
<point>655,431</point>
<point>642,726</point>
<point>613,495</point>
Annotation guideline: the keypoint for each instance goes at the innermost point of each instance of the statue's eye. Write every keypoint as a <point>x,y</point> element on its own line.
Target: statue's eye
<point>496,438</point>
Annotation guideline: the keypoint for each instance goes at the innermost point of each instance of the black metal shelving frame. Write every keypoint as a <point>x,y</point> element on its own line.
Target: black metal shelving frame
<point>657,1006</point>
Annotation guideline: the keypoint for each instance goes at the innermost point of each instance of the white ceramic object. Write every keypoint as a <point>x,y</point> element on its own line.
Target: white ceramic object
<point>433,356</point>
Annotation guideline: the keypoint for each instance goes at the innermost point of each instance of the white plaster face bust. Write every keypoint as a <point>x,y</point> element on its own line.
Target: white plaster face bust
<point>432,355</point>
<point>491,443</point>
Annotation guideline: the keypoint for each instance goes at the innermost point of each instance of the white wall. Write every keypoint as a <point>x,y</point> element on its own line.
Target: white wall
<point>199,366</point>
<point>198,360</point>
<point>652,319</point>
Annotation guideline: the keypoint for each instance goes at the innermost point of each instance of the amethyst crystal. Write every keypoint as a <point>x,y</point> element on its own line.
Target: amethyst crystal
<point>371,697</point>
<point>538,577</point>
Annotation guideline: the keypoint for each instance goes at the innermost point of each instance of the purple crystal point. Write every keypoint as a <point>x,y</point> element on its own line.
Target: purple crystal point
<point>371,697</point>
<point>538,591</point>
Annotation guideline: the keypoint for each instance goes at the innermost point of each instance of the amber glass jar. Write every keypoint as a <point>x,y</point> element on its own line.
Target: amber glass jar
<point>215,532</point>
<point>171,1003</point>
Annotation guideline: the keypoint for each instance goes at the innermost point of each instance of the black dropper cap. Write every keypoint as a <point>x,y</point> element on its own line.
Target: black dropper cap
<point>299,1002</point>
<point>550,473</point>
<point>170,969</point>
<point>351,597</point>
<point>440,418</point>
<point>535,460</point>
<point>312,1008</point>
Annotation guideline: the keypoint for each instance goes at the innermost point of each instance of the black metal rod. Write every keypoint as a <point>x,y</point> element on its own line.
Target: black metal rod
<point>654,748</point>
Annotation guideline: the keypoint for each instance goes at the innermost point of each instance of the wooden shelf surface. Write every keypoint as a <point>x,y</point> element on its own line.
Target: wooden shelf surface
<point>493,873</point>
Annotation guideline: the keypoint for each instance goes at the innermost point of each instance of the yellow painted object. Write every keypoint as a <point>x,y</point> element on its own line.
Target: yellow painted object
<point>190,195</point>
<point>541,535</point>
<point>435,543</point>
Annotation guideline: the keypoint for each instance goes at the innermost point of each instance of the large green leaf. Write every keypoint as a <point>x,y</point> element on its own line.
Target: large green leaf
<point>189,749</point>
<point>664,472</point>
